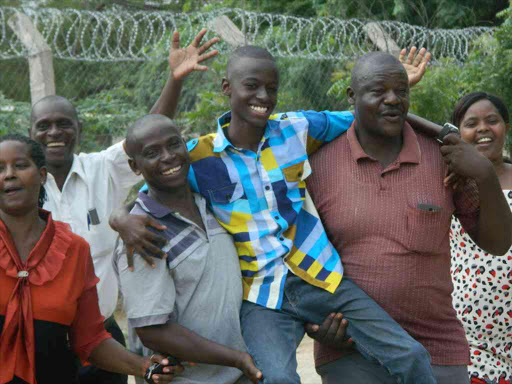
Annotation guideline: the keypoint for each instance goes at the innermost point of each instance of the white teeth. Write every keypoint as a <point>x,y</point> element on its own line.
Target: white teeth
<point>172,171</point>
<point>484,140</point>
<point>56,144</point>
<point>259,109</point>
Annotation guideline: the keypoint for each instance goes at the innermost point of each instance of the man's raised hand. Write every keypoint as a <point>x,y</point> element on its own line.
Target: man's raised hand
<point>415,63</point>
<point>183,61</point>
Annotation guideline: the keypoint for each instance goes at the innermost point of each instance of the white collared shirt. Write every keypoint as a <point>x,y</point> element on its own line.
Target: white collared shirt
<point>97,184</point>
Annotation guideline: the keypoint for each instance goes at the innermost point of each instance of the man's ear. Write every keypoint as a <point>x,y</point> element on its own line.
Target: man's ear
<point>133,166</point>
<point>351,96</point>
<point>226,87</point>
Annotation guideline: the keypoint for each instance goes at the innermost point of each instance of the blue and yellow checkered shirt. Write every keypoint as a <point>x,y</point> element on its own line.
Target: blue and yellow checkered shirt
<point>259,199</point>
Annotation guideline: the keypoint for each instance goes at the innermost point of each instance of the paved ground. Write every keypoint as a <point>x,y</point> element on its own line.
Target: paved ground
<point>304,356</point>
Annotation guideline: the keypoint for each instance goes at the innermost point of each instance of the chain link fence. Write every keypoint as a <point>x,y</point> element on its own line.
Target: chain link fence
<point>113,64</point>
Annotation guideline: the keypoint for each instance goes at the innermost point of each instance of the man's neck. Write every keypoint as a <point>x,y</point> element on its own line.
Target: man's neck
<point>244,135</point>
<point>60,173</point>
<point>180,200</point>
<point>381,148</point>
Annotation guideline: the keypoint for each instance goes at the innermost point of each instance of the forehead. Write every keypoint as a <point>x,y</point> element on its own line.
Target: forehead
<point>481,107</point>
<point>249,67</point>
<point>53,110</point>
<point>12,149</point>
<point>377,73</point>
<point>155,132</point>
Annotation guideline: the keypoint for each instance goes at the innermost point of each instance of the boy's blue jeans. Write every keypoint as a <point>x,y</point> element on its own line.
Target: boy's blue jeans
<point>272,336</point>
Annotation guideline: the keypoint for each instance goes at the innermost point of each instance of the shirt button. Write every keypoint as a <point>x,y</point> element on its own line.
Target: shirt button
<point>267,187</point>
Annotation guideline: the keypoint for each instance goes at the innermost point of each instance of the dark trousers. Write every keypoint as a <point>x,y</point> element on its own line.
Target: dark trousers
<point>93,375</point>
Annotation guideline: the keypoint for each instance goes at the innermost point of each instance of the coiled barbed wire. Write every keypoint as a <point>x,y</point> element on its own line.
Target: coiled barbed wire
<point>122,35</point>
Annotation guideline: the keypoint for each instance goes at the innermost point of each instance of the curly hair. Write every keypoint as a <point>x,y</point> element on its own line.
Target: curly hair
<point>36,153</point>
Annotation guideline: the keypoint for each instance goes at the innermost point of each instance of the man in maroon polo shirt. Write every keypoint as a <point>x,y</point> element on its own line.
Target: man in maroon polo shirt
<point>379,191</point>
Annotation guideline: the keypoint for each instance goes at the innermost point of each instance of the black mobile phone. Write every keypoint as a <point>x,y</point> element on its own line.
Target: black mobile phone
<point>157,368</point>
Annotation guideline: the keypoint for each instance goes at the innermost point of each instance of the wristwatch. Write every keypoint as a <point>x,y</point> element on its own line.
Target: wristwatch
<point>446,130</point>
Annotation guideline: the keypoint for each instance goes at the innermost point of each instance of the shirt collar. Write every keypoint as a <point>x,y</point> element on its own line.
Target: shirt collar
<point>152,206</point>
<point>410,152</point>
<point>221,142</point>
<point>76,167</point>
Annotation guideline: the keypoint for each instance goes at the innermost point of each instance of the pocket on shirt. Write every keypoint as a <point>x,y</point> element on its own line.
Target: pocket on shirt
<point>426,230</point>
<point>294,173</point>
<point>226,194</point>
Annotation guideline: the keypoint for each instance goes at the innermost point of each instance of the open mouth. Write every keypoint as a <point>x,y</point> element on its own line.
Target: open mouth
<point>259,109</point>
<point>484,140</point>
<point>392,115</point>
<point>172,171</point>
<point>55,144</point>
<point>9,191</point>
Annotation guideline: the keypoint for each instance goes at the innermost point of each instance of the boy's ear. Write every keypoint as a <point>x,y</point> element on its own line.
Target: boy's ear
<point>226,87</point>
<point>133,166</point>
<point>351,96</point>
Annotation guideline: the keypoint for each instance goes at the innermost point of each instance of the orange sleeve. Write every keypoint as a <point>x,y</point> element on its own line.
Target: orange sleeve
<point>87,330</point>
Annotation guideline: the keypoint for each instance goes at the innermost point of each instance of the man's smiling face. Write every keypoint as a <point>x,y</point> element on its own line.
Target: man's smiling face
<point>252,86</point>
<point>55,126</point>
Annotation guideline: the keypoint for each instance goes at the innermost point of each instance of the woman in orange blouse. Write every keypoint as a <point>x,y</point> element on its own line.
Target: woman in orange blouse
<point>49,310</point>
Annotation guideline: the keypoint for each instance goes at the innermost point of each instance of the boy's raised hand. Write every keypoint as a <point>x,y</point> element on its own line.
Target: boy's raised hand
<point>415,64</point>
<point>183,61</point>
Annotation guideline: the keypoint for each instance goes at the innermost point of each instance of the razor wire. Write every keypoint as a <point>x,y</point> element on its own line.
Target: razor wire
<point>121,35</point>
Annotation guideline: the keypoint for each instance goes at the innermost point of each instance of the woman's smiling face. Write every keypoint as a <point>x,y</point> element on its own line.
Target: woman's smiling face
<point>483,126</point>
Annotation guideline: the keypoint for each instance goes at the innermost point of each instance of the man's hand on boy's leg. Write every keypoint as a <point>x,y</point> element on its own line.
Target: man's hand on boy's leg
<point>415,64</point>
<point>246,365</point>
<point>183,61</point>
<point>331,332</point>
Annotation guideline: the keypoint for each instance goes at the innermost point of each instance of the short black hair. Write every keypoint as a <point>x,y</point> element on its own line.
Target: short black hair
<point>252,51</point>
<point>36,153</point>
<point>54,99</point>
<point>468,100</point>
<point>130,132</point>
<point>360,68</point>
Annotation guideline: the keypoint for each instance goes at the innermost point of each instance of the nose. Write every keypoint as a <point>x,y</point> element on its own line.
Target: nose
<point>482,127</point>
<point>54,130</point>
<point>391,98</point>
<point>9,172</point>
<point>167,155</point>
<point>262,94</point>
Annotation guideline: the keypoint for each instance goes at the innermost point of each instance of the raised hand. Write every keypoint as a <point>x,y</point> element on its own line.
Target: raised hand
<point>183,61</point>
<point>415,64</point>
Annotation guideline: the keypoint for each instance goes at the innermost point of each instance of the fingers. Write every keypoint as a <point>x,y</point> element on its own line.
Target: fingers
<point>411,55</point>
<point>198,38</point>
<point>155,224</point>
<point>129,257</point>
<point>161,378</point>
<point>207,56</point>
<point>175,40</point>
<point>419,57</point>
<point>451,139</point>
<point>401,57</point>
<point>208,44</point>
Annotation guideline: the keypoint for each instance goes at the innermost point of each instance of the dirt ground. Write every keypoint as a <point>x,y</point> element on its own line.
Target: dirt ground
<point>304,356</point>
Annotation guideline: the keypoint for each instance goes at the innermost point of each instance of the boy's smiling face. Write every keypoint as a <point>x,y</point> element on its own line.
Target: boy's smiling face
<point>160,154</point>
<point>252,86</point>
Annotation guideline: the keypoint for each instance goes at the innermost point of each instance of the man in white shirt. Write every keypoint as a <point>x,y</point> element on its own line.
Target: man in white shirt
<point>84,189</point>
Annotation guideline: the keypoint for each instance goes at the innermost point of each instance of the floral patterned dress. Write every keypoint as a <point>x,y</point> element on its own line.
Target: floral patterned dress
<point>482,297</point>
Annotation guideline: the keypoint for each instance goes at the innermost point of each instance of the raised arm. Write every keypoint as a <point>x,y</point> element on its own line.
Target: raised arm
<point>494,228</point>
<point>180,342</point>
<point>182,62</point>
